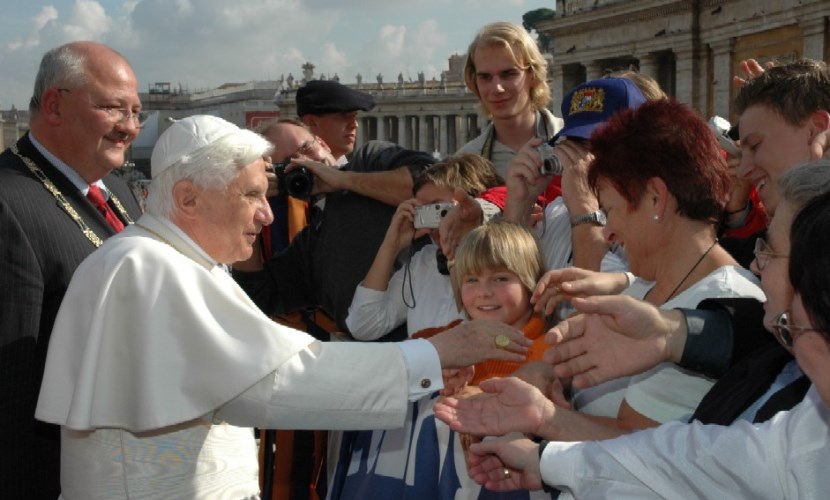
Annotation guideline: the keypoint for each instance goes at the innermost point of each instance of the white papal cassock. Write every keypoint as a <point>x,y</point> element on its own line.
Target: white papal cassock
<point>159,363</point>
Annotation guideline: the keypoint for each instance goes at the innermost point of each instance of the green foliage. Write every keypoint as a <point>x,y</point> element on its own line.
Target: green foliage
<point>531,18</point>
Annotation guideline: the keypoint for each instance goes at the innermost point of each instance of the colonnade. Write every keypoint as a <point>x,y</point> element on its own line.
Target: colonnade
<point>437,132</point>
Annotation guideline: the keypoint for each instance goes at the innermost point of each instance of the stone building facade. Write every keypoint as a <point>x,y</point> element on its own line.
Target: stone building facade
<point>437,116</point>
<point>691,47</point>
<point>433,116</point>
<point>13,124</point>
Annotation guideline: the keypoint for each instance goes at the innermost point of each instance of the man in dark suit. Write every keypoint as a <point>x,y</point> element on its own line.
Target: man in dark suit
<point>84,115</point>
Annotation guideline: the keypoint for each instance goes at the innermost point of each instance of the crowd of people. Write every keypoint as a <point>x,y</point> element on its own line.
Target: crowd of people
<point>603,304</point>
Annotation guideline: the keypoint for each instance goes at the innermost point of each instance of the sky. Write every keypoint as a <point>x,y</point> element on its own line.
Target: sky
<point>201,44</point>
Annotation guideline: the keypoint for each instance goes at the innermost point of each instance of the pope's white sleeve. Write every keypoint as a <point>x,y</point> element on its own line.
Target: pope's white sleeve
<point>339,385</point>
<point>783,458</point>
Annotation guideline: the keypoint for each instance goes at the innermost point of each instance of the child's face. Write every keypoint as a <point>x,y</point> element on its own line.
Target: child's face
<point>496,295</point>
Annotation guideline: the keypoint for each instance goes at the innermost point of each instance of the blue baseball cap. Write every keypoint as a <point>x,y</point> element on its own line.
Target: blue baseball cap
<point>592,103</point>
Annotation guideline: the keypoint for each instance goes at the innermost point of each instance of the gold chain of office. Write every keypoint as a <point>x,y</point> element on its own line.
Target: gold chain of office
<point>64,204</point>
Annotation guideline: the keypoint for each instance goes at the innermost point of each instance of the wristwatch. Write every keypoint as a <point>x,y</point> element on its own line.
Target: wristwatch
<point>597,218</point>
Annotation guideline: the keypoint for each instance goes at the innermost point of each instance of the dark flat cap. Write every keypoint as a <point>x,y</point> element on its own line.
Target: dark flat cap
<point>318,97</point>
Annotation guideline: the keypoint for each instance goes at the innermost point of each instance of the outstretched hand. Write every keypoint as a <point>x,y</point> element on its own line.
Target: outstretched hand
<point>749,69</point>
<point>475,341</point>
<point>614,336</point>
<point>505,464</point>
<point>565,284</point>
<point>506,405</point>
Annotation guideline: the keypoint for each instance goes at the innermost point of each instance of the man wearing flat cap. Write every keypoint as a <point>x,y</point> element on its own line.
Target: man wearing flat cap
<point>330,111</point>
<point>159,363</point>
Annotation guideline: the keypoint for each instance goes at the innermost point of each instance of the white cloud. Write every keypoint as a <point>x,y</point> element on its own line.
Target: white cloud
<point>390,40</point>
<point>204,43</point>
<point>333,60</point>
<point>87,21</point>
<point>47,14</point>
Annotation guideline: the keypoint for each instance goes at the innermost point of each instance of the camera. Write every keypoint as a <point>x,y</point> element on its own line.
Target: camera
<point>429,216</point>
<point>297,182</point>
<point>551,164</point>
<point>726,135</point>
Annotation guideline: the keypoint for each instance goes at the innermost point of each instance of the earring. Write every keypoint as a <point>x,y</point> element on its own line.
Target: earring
<point>656,218</point>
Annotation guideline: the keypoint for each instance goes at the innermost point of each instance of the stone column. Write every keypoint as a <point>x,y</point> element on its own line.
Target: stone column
<point>648,65</point>
<point>452,134</point>
<point>813,38</point>
<point>361,136</point>
<point>381,128</point>
<point>722,77</point>
<point>403,126</point>
<point>422,133</point>
<point>463,130</point>
<point>407,132</point>
<point>443,123</point>
<point>685,77</point>
<point>557,84</point>
<point>593,70</point>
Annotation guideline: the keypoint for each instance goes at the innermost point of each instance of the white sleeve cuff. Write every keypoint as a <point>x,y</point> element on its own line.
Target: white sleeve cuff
<point>422,367</point>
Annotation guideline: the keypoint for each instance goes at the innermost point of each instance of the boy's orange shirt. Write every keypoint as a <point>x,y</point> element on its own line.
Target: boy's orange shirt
<point>534,329</point>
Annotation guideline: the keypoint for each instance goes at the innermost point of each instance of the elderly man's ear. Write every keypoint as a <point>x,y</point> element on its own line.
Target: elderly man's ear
<point>186,197</point>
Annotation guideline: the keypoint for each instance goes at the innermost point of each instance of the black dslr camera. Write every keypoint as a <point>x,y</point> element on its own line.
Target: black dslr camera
<point>297,182</point>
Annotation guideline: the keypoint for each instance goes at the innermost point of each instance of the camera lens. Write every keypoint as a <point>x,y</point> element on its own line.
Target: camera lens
<point>551,164</point>
<point>298,183</point>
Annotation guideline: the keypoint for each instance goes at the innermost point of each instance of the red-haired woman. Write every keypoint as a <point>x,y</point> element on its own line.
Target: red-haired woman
<point>662,182</point>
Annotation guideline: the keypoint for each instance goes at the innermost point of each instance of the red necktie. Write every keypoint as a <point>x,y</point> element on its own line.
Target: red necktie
<point>97,198</point>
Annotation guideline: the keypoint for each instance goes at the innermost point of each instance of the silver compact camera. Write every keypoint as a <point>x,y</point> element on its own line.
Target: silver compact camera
<point>725,134</point>
<point>551,164</point>
<point>429,216</point>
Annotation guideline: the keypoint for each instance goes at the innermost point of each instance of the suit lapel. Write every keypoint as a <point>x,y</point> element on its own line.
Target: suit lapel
<point>86,211</point>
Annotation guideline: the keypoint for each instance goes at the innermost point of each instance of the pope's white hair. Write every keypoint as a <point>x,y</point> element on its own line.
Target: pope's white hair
<point>211,167</point>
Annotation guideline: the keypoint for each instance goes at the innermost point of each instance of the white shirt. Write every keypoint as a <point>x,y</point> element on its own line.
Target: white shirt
<point>374,313</point>
<point>70,173</point>
<point>668,392</point>
<point>156,344</point>
<point>784,458</point>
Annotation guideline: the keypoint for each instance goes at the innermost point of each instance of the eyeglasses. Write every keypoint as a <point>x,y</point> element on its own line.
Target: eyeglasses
<point>306,147</point>
<point>763,254</point>
<point>118,115</point>
<point>786,333</point>
<point>303,150</point>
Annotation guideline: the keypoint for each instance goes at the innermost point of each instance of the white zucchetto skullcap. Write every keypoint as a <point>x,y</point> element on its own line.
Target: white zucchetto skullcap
<point>185,137</point>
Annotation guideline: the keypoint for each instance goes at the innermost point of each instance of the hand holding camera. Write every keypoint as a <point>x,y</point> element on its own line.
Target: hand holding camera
<point>297,182</point>
<point>726,134</point>
<point>551,164</point>
<point>429,216</point>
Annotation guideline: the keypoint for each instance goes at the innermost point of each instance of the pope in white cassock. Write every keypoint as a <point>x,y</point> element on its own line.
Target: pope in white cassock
<point>159,363</point>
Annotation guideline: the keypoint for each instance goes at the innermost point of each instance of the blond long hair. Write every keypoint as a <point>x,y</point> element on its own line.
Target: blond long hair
<point>524,50</point>
<point>498,245</point>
